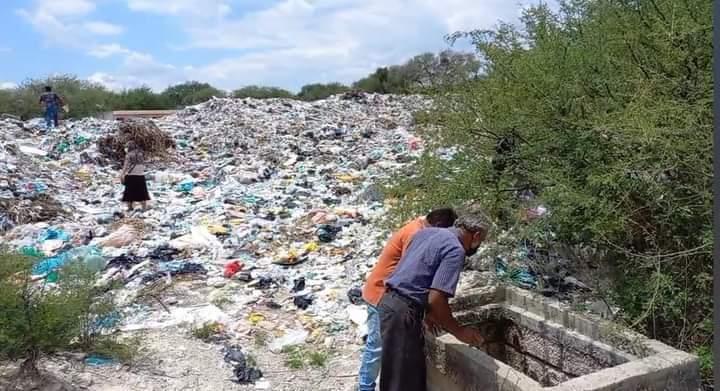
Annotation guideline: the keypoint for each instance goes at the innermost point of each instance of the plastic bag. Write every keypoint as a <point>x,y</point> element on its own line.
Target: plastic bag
<point>291,338</point>
<point>123,236</point>
<point>199,237</point>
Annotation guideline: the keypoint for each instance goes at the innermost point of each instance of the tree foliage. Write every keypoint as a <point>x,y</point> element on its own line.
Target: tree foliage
<point>41,319</point>
<point>85,97</point>
<point>141,98</point>
<point>604,110</point>
<point>261,92</point>
<point>421,73</point>
<point>320,91</point>
<point>189,93</point>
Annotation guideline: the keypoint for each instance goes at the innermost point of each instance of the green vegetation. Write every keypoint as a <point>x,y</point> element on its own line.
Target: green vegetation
<point>421,74</point>
<point>41,319</point>
<point>604,111</point>
<point>261,337</point>
<point>300,356</point>
<point>259,92</point>
<point>190,93</point>
<point>321,91</point>
<point>207,332</point>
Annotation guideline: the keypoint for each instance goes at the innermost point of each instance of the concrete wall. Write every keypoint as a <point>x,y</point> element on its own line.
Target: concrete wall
<point>603,357</point>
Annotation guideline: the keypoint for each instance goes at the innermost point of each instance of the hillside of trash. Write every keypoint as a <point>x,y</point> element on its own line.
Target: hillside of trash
<point>265,214</point>
<point>244,273</point>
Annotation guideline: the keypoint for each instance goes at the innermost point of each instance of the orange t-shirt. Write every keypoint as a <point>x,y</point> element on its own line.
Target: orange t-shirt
<point>389,258</point>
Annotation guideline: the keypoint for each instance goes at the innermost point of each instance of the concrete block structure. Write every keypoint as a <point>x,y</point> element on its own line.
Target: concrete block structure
<point>533,343</point>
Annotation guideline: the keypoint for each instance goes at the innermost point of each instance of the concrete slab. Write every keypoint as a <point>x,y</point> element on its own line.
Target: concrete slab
<point>536,344</point>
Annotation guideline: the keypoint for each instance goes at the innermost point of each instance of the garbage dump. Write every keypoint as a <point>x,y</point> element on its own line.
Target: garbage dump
<point>263,214</point>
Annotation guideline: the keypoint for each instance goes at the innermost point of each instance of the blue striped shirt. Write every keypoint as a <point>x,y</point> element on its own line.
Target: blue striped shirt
<point>433,260</point>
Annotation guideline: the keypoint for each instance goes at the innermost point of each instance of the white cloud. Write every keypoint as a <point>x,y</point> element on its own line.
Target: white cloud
<point>7,85</point>
<point>204,8</point>
<point>108,50</point>
<point>137,70</point>
<point>66,7</point>
<point>103,28</point>
<point>294,42</point>
<point>66,22</point>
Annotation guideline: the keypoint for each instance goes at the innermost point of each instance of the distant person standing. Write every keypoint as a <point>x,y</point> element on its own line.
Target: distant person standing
<point>51,103</point>
<point>133,177</point>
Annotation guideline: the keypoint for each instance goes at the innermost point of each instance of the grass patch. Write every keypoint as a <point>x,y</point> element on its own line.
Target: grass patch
<point>221,301</point>
<point>125,351</point>
<point>300,356</point>
<point>208,332</point>
<point>261,338</point>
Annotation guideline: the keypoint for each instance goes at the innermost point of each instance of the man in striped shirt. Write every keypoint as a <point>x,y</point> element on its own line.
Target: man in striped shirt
<point>375,287</point>
<point>425,278</point>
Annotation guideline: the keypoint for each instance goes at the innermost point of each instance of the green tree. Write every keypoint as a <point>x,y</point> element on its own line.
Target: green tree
<point>83,97</point>
<point>421,73</point>
<point>141,98</point>
<point>262,92</point>
<point>39,319</point>
<point>605,108</point>
<point>190,93</point>
<point>321,91</point>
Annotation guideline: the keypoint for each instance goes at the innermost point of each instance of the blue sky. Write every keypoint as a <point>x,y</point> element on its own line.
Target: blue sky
<point>228,43</point>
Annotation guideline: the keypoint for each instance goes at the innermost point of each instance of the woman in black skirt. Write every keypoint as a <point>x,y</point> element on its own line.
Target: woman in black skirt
<point>133,177</point>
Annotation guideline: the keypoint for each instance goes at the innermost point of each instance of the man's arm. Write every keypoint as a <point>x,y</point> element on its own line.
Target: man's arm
<point>443,285</point>
<point>440,312</point>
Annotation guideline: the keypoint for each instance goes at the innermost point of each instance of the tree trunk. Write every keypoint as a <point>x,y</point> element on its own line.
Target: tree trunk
<point>29,367</point>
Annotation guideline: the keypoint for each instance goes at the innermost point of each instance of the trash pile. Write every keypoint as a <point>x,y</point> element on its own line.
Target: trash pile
<point>267,207</point>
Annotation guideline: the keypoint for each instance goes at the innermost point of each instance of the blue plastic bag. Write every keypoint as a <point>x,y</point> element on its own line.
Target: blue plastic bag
<point>186,186</point>
<point>52,234</point>
<point>97,360</point>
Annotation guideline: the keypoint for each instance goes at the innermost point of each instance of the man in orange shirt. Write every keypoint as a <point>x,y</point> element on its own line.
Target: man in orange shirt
<point>375,288</point>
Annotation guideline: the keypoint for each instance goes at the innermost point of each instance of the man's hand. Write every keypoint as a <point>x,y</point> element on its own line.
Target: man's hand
<point>470,336</point>
<point>432,326</point>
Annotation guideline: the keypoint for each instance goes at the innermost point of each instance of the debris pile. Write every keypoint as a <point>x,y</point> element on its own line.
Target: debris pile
<point>263,212</point>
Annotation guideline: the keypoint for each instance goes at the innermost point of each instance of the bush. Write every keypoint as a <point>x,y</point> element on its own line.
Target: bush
<point>260,92</point>
<point>321,91</point>
<point>84,97</point>
<point>141,98</point>
<point>299,356</point>
<point>422,73</point>
<point>41,319</point>
<point>189,93</point>
<point>604,111</point>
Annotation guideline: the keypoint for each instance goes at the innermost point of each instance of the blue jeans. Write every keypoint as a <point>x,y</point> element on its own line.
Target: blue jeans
<point>51,116</point>
<point>370,365</point>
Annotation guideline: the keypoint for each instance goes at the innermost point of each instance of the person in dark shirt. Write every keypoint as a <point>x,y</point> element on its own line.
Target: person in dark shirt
<point>418,290</point>
<point>51,103</point>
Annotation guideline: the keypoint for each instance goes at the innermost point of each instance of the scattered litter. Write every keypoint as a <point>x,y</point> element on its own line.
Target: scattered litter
<point>291,338</point>
<point>231,268</point>
<point>97,361</point>
<point>303,301</point>
<point>355,296</point>
<point>298,284</point>
<point>244,373</point>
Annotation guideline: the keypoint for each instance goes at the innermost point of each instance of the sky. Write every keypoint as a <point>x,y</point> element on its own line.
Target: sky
<point>229,43</point>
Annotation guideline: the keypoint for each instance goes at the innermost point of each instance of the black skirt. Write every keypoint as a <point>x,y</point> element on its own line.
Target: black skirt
<point>135,189</point>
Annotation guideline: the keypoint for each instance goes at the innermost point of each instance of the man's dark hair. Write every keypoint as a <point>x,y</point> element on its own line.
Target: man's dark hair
<point>442,218</point>
<point>48,89</point>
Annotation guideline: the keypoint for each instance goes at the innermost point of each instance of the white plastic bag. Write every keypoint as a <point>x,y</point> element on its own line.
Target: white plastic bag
<point>291,338</point>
